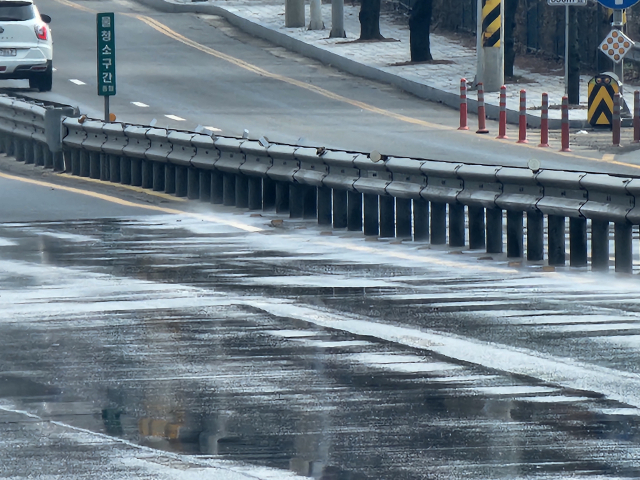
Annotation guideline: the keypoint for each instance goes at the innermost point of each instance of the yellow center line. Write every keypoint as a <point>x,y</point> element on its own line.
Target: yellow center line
<point>165,30</point>
<point>126,203</point>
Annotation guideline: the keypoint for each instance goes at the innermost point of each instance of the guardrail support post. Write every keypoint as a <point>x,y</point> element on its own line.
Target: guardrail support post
<point>229,189</point>
<point>624,247</point>
<point>494,230</point>
<point>182,181</point>
<point>193,184</point>
<point>18,151</point>
<point>85,163</point>
<point>387,217</point>
<point>217,187</point>
<point>456,225</point>
<point>420,220</point>
<point>268,194</point>
<point>371,213</point>
<point>28,152</point>
<point>340,219</point>
<point>158,172</point>
<point>578,242</point>
<point>58,162</point>
<point>556,240</point>
<point>114,168</point>
<point>125,170</point>
<point>204,186</point>
<point>476,228</point>
<point>599,245</point>
<point>242,191</point>
<point>39,157</point>
<point>136,172</point>
<point>255,193</point>
<point>147,174</point>
<point>354,211</point>
<point>3,143</point>
<point>515,236</point>
<point>310,205</point>
<point>9,145</point>
<point>296,200</point>
<point>535,236</point>
<point>438,223</point>
<point>282,197</point>
<point>94,165</point>
<point>170,178</point>
<point>324,206</point>
<point>105,174</point>
<point>403,218</point>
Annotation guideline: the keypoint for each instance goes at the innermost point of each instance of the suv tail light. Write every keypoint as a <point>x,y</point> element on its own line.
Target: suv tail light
<point>41,31</point>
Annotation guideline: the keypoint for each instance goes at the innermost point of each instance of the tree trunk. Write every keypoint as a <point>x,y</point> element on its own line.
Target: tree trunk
<point>510,9</point>
<point>573,87</point>
<point>370,20</point>
<point>419,26</point>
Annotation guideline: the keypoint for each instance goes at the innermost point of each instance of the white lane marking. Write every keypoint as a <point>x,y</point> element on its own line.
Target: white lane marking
<point>213,129</point>
<point>140,104</point>
<point>76,81</point>
<point>176,118</point>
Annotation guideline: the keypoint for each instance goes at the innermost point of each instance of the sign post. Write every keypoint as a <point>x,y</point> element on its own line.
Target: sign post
<point>105,29</point>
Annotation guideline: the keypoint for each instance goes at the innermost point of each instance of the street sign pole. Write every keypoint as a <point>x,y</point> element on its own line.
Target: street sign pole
<point>106,42</point>
<point>618,67</point>
<point>566,49</point>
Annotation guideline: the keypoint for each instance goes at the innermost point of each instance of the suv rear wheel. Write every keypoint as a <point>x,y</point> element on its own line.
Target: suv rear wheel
<point>42,81</point>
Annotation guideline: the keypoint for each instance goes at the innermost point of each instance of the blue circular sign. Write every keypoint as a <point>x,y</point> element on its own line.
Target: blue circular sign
<point>618,4</point>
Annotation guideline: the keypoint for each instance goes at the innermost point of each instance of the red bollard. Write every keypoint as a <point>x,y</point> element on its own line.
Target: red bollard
<point>463,105</point>
<point>482,115</point>
<point>544,122</point>
<point>522,134</point>
<point>636,116</point>
<point>616,123</point>
<point>565,125</point>
<point>502,128</point>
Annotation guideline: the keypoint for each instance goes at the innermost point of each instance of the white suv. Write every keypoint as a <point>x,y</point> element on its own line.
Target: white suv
<point>26,47</point>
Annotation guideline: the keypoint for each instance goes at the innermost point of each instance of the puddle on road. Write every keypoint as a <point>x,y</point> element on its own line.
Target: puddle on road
<point>231,382</point>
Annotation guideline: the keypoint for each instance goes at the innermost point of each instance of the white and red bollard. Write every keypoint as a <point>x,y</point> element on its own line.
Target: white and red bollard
<point>616,123</point>
<point>565,125</point>
<point>482,114</point>
<point>463,105</point>
<point>636,116</point>
<point>502,124</point>
<point>544,121</point>
<point>522,120</point>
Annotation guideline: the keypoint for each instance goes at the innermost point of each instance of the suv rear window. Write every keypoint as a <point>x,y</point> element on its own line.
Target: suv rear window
<point>16,11</point>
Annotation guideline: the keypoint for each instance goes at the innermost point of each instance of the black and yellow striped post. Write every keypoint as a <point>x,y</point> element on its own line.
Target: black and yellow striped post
<point>602,89</point>
<point>491,44</point>
<point>491,23</point>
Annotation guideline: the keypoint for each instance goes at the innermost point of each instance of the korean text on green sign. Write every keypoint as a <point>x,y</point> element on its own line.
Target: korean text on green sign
<point>106,54</point>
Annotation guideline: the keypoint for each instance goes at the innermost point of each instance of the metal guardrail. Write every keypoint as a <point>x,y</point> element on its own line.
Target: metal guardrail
<point>419,199</point>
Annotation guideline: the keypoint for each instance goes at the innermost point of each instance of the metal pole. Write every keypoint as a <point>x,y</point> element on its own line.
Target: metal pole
<point>566,50</point>
<point>337,19</point>
<point>106,109</point>
<point>618,68</point>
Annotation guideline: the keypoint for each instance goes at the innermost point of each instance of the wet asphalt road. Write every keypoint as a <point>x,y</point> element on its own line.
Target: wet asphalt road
<point>216,339</point>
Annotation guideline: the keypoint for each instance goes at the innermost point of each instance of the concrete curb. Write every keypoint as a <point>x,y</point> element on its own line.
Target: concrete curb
<point>351,66</point>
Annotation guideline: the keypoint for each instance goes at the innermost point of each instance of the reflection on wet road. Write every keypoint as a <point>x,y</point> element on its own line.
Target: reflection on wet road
<point>198,338</point>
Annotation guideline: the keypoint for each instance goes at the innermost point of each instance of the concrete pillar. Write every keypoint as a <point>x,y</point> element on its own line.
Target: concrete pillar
<point>599,245</point>
<point>255,193</point>
<point>624,247</point>
<point>324,206</point>
<point>387,217</point>
<point>420,220</point>
<point>515,236</point>
<point>340,219</point>
<point>354,211</point>
<point>158,177</point>
<point>556,240</point>
<point>535,236</point>
<point>170,178</point>
<point>494,230</point>
<point>217,187</point>
<point>456,225</point>
<point>204,187</point>
<point>578,242</point>
<point>403,218</point>
<point>193,183</point>
<point>268,194</point>
<point>371,215</point>
<point>438,223</point>
<point>476,228</point>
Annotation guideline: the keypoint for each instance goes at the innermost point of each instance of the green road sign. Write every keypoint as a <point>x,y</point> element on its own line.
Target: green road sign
<point>106,54</point>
